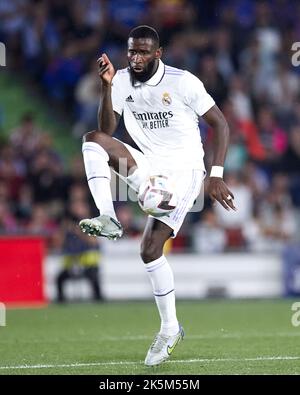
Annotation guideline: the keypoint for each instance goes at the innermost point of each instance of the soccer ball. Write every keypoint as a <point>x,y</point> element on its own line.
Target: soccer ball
<point>157,196</point>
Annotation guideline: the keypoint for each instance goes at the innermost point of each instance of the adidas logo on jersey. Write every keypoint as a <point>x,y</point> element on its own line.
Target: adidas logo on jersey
<point>130,99</point>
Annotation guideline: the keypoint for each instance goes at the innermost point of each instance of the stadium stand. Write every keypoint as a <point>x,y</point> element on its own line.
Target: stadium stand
<point>241,50</point>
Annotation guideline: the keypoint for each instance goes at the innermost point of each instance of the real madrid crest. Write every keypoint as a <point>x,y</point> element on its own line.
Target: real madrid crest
<point>166,99</point>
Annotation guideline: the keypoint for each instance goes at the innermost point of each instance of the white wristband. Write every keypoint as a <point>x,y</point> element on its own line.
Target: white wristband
<point>217,171</point>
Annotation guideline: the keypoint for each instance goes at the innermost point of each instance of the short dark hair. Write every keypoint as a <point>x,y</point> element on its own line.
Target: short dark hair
<point>144,31</point>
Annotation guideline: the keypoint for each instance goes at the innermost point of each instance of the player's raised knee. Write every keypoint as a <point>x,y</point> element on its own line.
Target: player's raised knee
<point>96,136</point>
<point>90,136</point>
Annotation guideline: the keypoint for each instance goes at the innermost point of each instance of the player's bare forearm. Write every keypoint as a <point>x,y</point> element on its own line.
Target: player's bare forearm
<point>217,121</point>
<point>107,122</point>
<point>217,189</point>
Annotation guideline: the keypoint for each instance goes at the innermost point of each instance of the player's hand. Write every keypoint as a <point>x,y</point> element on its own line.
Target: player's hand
<point>106,70</point>
<point>217,190</point>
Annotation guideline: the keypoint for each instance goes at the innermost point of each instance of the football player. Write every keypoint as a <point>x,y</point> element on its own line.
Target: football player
<point>161,106</point>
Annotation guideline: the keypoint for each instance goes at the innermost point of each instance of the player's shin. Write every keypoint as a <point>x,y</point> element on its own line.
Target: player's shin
<point>98,176</point>
<point>162,280</point>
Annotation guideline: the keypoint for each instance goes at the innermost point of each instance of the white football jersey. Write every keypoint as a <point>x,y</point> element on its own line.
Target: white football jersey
<point>161,115</point>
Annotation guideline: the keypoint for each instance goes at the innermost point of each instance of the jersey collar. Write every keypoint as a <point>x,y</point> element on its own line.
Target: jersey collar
<point>157,77</point>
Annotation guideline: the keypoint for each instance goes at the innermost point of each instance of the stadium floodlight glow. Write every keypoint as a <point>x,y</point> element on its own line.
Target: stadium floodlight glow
<point>2,314</point>
<point>2,54</point>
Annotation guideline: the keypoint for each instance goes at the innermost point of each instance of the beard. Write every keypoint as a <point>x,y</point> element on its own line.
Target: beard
<point>145,75</point>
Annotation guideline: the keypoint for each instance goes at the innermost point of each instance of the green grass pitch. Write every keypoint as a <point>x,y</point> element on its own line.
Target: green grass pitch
<point>222,337</point>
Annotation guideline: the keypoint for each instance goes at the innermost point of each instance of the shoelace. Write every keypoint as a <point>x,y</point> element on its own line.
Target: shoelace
<point>158,343</point>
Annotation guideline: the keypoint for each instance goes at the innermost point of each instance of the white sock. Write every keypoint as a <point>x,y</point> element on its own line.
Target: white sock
<point>162,280</point>
<point>98,176</point>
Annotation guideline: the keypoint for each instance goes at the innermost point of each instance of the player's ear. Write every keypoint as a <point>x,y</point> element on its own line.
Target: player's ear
<point>158,53</point>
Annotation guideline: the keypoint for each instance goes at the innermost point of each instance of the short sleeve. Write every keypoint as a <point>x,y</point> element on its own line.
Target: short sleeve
<point>195,94</point>
<point>117,94</point>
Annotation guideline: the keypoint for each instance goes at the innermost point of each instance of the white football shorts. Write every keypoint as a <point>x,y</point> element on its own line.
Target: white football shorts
<point>187,184</point>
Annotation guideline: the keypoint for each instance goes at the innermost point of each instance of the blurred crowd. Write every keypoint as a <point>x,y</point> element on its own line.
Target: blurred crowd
<point>240,49</point>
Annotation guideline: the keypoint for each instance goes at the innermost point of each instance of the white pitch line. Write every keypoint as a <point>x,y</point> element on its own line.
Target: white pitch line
<point>221,335</point>
<point>196,360</point>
